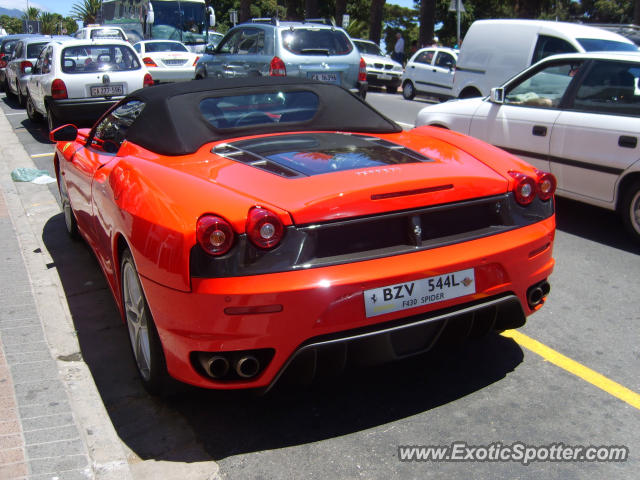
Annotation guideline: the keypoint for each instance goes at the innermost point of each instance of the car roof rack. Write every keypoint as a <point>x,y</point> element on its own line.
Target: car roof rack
<point>270,20</point>
<point>324,20</point>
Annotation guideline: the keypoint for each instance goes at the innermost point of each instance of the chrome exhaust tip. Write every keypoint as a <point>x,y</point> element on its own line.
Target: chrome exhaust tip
<point>247,366</point>
<point>216,366</point>
<point>537,293</point>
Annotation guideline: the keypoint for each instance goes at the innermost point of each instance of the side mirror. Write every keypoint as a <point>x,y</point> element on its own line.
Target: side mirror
<point>497,95</point>
<point>210,49</point>
<point>212,17</point>
<point>65,133</point>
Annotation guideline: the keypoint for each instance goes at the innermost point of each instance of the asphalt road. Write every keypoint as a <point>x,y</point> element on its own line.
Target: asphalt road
<point>485,391</point>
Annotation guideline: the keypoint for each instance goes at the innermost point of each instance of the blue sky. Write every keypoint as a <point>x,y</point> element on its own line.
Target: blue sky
<point>63,7</point>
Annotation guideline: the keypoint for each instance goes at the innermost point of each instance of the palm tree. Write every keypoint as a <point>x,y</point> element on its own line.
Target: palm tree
<point>49,22</point>
<point>31,13</point>
<point>87,11</point>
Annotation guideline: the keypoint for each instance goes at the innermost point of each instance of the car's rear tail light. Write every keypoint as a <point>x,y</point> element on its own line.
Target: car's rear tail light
<point>148,80</point>
<point>264,228</point>
<point>196,61</point>
<point>148,62</point>
<point>3,60</point>
<point>525,188</point>
<point>362,72</point>
<point>24,65</point>
<point>214,234</point>
<point>546,185</point>
<point>277,68</point>
<point>58,89</point>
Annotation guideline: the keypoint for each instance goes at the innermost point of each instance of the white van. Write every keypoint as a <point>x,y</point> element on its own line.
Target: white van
<point>495,50</point>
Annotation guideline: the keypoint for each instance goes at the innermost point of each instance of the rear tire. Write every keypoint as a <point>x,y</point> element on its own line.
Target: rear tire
<point>408,90</point>
<point>32,113</point>
<point>143,335</point>
<point>630,209</point>
<point>21,100</point>
<point>52,120</point>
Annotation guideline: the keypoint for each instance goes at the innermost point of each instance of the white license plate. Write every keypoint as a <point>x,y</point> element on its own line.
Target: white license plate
<point>384,76</point>
<point>107,90</point>
<point>424,291</point>
<point>324,77</point>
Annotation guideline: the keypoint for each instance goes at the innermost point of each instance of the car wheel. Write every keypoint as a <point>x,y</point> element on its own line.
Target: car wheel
<point>21,99</point>
<point>145,342</point>
<point>408,92</point>
<point>32,113</point>
<point>630,209</point>
<point>52,120</point>
<point>69,217</point>
<point>8,91</point>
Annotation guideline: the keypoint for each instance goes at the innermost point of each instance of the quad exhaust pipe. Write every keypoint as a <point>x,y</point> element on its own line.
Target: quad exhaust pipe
<point>247,366</point>
<point>226,366</point>
<point>536,293</point>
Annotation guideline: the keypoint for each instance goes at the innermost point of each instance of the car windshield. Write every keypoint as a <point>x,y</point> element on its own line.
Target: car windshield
<point>320,41</point>
<point>153,47</point>
<point>34,49</point>
<point>260,109</point>
<point>107,33</point>
<point>600,45</point>
<point>99,58</point>
<point>369,48</point>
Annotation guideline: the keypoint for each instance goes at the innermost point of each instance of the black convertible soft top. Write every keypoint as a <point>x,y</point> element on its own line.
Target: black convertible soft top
<point>171,122</point>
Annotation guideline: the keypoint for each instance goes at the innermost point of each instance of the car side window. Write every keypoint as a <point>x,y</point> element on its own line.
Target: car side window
<point>445,60</point>
<point>425,57</point>
<point>230,45</point>
<point>610,87</point>
<point>544,88</point>
<point>112,130</point>
<point>138,48</point>
<point>251,42</point>
<point>548,45</point>
<point>18,50</point>
<point>46,60</point>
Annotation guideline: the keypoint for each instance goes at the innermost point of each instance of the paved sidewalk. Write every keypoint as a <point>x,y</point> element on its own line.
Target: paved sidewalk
<point>52,421</point>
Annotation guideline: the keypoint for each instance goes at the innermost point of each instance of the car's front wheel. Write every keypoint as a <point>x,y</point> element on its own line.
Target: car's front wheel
<point>69,217</point>
<point>143,335</point>
<point>32,113</point>
<point>408,91</point>
<point>630,209</point>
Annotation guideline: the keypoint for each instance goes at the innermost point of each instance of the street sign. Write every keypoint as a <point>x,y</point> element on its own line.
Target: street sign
<point>452,6</point>
<point>345,20</point>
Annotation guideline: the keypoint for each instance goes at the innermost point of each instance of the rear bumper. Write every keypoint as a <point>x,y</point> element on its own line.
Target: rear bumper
<point>81,111</point>
<point>172,74</point>
<point>374,79</point>
<point>324,307</point>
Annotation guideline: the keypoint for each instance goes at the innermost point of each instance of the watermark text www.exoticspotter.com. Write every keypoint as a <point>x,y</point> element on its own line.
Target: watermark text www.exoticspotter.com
<point>515,452</point>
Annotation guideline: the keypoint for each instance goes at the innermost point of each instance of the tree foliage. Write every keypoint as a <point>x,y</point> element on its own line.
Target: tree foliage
<point>86,11</point>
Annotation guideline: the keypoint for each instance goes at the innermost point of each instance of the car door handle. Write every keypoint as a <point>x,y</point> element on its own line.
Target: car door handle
<point>627,141</point>
<point>539,131</point>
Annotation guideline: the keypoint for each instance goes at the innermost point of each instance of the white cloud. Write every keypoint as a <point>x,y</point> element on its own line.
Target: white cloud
<point>20,5</point>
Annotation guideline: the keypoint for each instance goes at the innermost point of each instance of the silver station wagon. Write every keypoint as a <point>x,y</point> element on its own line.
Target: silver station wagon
<point>268,47</point>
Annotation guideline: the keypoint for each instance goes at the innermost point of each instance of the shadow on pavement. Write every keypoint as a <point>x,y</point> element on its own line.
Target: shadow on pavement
<point>593,223</point>
<point>202,425</point>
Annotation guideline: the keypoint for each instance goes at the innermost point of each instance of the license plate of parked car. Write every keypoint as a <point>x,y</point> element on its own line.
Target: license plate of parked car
<point>424,291</point>
<point>107,90</point>
<point>324,77</point>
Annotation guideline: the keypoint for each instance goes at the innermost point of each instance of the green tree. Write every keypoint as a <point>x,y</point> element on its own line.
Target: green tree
<point>11,24</point>
<point>69,25</point>
<point>31,13</point>
<point>49,23</point>
<point>87,11</point>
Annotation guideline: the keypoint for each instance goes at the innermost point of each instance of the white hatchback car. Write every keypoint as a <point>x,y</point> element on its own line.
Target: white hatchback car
<point>575,115</point>
<point>77,81</point>
<point>167,60</point>
<point>430,72</point>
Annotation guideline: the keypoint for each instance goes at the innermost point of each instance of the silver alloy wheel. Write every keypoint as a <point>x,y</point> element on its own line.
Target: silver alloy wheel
<point>31,109</point>
<point>137,321</point>
<point>66,207</point>
<point>407,91</point>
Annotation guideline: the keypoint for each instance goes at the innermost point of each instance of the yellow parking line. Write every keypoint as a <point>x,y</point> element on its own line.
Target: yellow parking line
<point>38,155</point>
<point>579,370</point>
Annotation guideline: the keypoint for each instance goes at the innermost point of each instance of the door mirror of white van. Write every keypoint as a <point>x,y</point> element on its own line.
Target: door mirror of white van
<point>497,95</point>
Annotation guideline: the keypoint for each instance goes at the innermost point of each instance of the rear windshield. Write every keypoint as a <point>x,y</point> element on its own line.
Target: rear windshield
<point>9,45</point>
<point>308,41</point>
<point>599,45</point>
<point>368,48</point>
<point>99,58</point>
<point>259,109</point>
<point>34,49</point>
<point>164,47</point>
<point>107,33</point>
